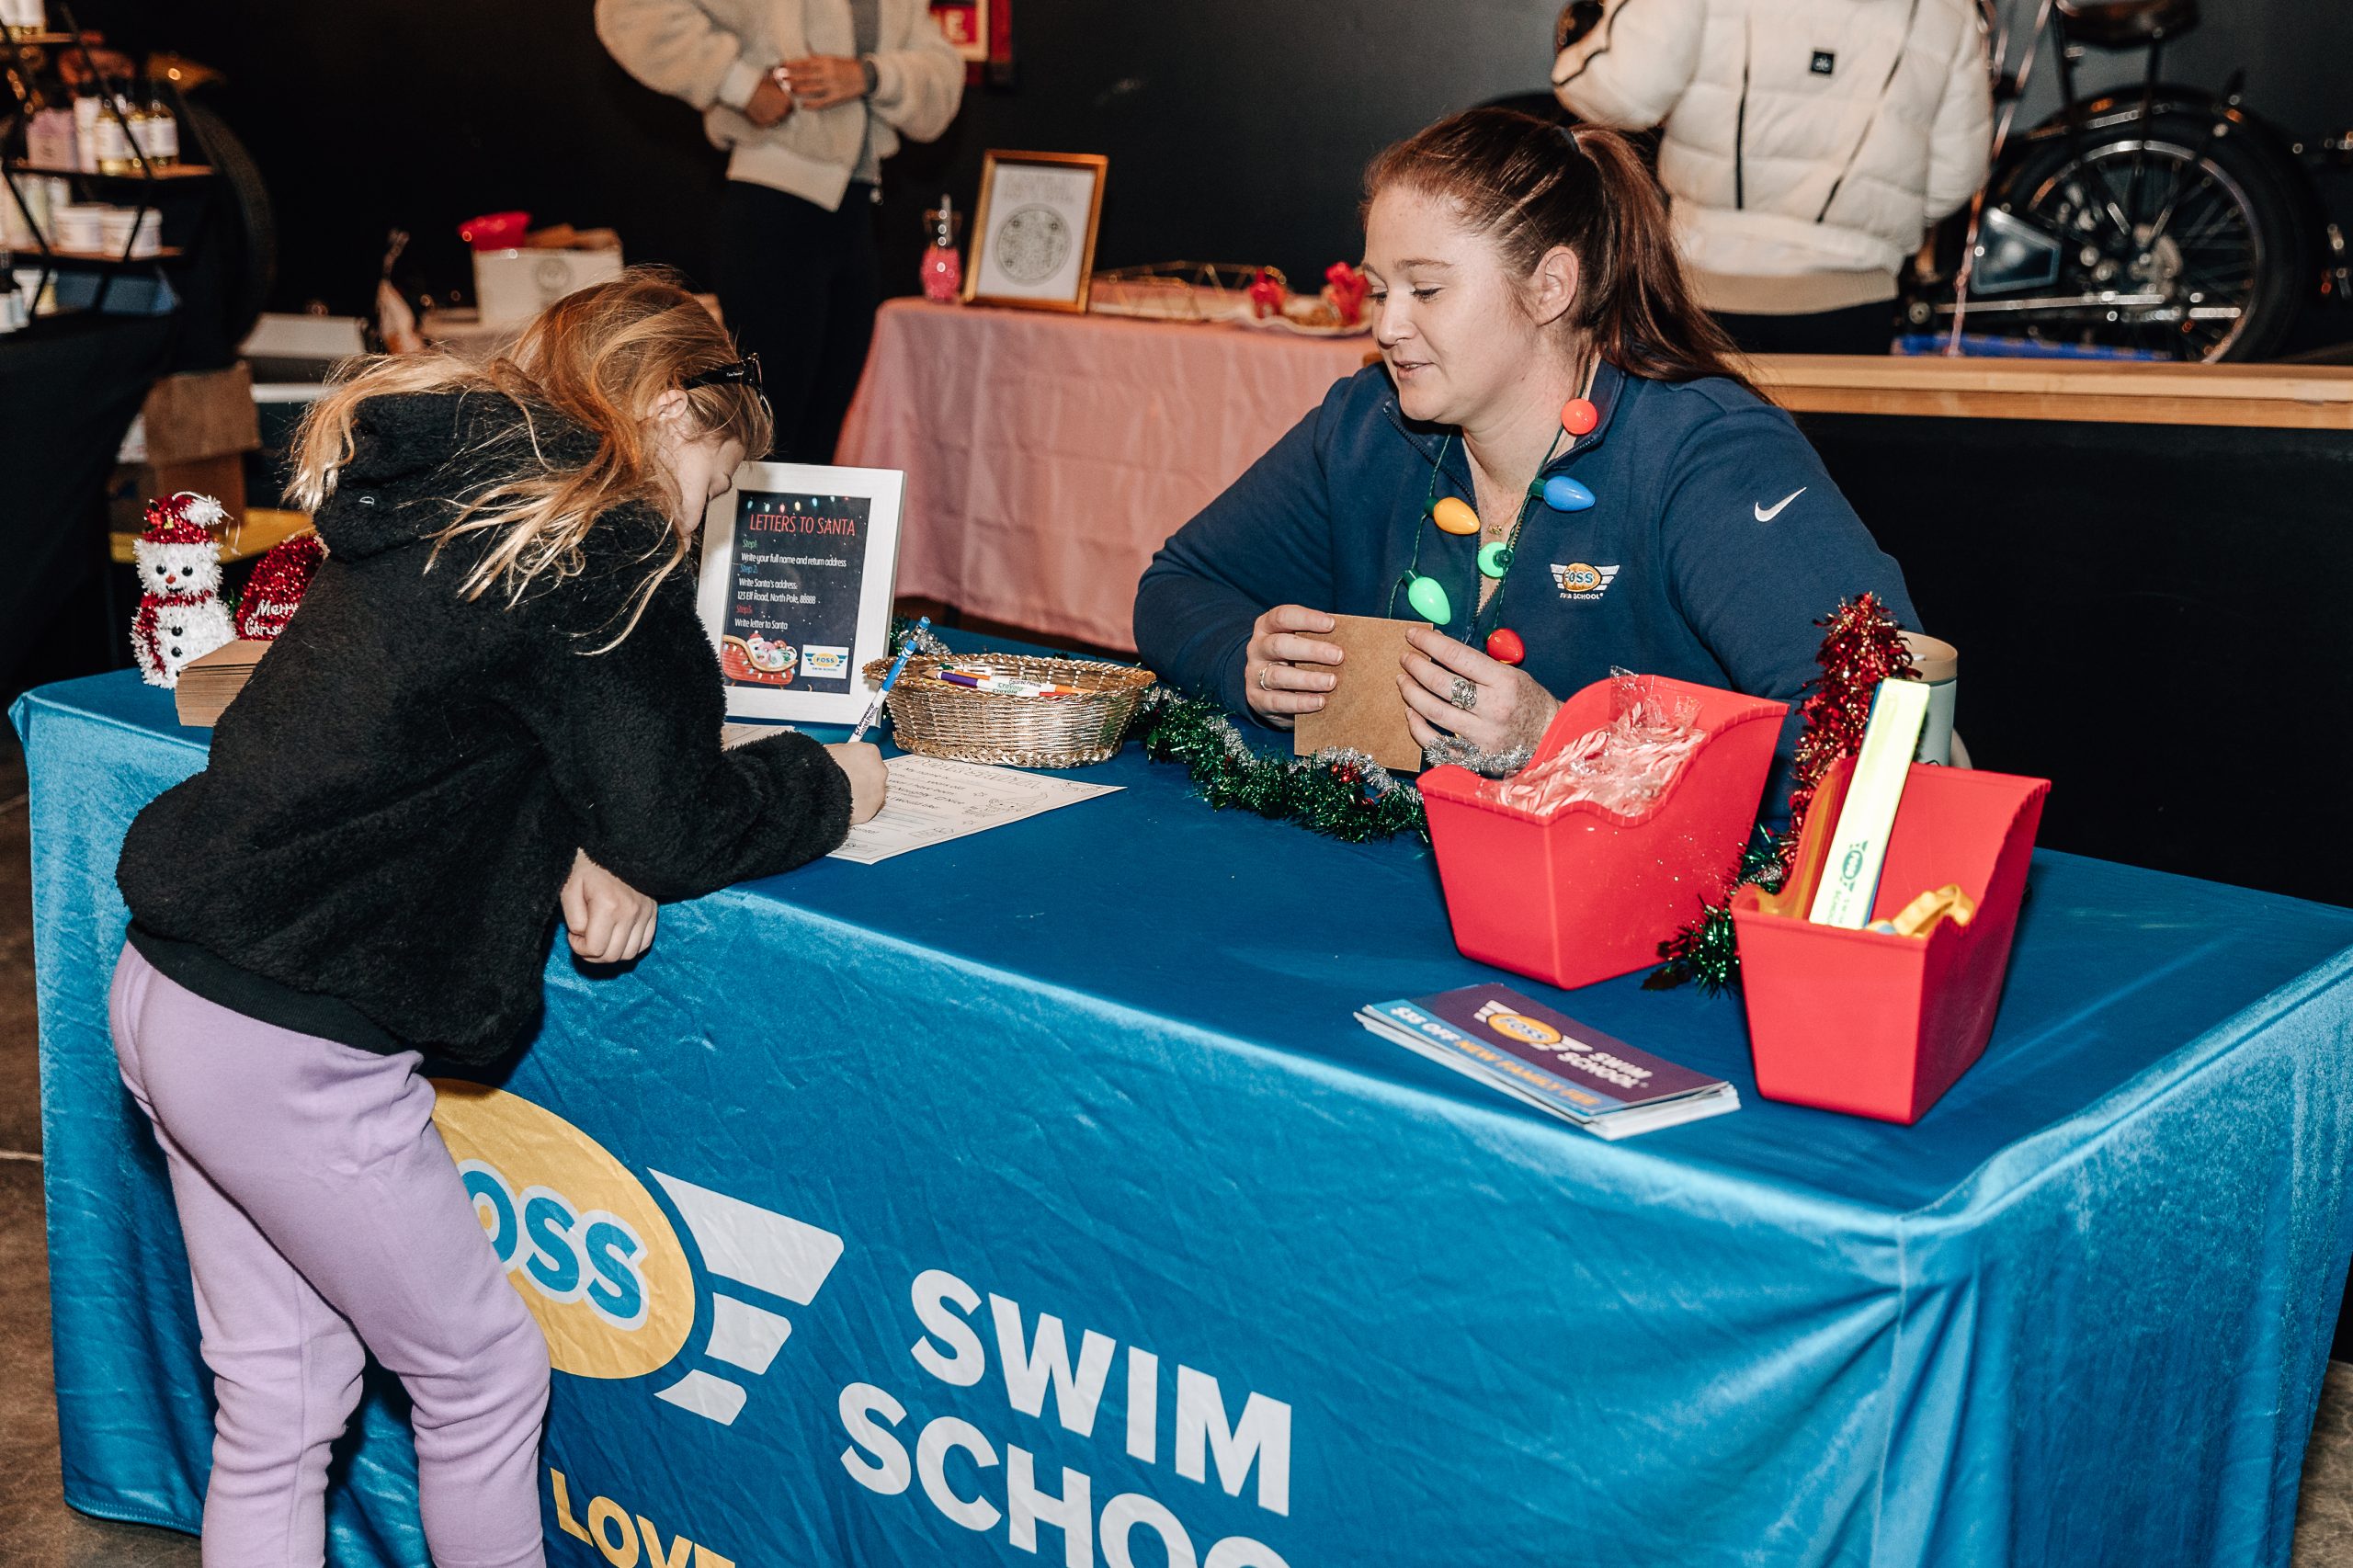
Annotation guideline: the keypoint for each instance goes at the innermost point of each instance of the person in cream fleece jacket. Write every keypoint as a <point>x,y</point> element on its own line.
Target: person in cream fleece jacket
<point>807,97</point>
<point>1808,146</point>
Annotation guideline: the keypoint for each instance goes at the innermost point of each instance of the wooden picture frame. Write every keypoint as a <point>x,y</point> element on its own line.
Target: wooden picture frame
<point>799,564</point>
<point>1033,230</point>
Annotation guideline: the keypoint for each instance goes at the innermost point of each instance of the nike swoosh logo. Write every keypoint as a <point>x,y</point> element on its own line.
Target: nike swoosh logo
<point>1765,516</point>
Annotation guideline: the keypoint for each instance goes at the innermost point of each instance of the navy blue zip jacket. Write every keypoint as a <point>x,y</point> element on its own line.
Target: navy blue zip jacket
<point>1715,542</point>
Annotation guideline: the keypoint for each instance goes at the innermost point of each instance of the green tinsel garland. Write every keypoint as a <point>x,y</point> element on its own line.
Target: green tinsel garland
<point>1341,795</point>
<point>1707,951</point>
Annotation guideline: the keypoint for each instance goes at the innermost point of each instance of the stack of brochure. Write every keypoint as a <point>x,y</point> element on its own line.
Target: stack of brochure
<point>1496,1035</point>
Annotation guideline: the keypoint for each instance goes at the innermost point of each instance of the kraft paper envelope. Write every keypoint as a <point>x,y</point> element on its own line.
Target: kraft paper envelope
<point>1365,712</point>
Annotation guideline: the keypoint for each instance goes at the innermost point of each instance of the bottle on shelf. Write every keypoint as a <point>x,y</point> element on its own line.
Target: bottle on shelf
<point>117,153</point>
<point>24,18</point>
<point>87,109</point>
<point>156,130</point>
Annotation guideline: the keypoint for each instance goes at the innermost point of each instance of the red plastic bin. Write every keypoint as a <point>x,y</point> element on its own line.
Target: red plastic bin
<point>1590,894</point>
<point>1879,1025</point>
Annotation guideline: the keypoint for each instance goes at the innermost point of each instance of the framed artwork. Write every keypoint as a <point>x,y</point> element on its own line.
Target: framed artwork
<point>798,566</point>
<point>1033,230</point>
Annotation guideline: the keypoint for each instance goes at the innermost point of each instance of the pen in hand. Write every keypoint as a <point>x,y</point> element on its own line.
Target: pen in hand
<point>874,709</point>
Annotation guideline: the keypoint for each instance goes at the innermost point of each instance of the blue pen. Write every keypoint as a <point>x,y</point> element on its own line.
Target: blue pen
<point>875,711</point>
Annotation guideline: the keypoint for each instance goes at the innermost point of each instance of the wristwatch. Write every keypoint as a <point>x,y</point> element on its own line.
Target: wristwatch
<point>866,69</point>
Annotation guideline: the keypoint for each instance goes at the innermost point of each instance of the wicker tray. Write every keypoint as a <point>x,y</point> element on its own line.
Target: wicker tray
<point>931,717</point>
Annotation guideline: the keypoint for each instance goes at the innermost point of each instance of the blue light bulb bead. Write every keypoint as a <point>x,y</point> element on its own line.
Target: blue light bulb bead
<point>1427,595</point>
<point>1565,494</point>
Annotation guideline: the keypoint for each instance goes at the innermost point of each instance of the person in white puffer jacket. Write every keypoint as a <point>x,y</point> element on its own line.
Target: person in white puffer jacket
<point>1808,146</point>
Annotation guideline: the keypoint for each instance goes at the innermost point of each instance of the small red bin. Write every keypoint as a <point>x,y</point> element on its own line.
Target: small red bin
<point>1880,1025</point>
<point>1588,894</point>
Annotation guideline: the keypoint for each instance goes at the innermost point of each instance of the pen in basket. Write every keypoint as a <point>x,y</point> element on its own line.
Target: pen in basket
<point>874,712</point>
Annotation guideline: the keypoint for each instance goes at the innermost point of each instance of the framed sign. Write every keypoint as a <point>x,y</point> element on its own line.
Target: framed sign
<point>966,23</point>
<point>799,567</point>
<point>1033,234</point>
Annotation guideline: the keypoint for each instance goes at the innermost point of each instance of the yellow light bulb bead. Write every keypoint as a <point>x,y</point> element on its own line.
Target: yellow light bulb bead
<point>1455,516</point>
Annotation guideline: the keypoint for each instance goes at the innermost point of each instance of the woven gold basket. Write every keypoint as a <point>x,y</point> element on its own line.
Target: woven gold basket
<point>931,717</point>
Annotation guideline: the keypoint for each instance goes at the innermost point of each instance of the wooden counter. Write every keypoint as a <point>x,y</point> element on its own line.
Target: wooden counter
<point>2273,397</point>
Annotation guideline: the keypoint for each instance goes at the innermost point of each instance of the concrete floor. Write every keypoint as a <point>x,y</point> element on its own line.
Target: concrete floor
<point>38,1530</point>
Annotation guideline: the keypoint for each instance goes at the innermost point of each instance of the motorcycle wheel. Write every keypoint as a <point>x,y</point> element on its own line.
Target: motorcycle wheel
<point>2199,248</point>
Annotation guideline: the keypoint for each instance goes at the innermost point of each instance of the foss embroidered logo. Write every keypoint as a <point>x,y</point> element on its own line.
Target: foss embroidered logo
<point>1581,580</point>
<point>597,1260</point>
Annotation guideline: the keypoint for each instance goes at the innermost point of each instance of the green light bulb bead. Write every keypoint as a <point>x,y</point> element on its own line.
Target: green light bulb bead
<point>1495,559</point>
<point>1427,595</point>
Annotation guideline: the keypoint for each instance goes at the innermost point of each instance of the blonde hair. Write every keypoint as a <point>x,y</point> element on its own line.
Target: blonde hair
<point>597,360</point>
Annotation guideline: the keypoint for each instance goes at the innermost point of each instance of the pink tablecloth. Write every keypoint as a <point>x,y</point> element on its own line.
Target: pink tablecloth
<point>1048,456</point>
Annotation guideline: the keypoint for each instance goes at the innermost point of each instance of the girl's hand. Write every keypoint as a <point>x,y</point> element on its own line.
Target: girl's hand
<point>1279,665</point>
<point>1506,709</point>
<point>608,920</point>
<point>869,780</point>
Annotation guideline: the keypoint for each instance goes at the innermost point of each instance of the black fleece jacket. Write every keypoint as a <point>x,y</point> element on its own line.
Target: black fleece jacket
<point>393,803</point>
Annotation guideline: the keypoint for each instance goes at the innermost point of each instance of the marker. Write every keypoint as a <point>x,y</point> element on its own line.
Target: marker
<point>1007,686</point>
<point>874,711</point>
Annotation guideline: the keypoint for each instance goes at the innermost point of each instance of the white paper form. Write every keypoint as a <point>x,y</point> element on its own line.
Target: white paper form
<point>932,802</point>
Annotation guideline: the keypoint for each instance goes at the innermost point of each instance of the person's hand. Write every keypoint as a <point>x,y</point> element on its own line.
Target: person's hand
<point>869,780</point>
<point>1278,665</point>
<point>608,920</point>
<point>823,81</point>
<point>1508,709</point>
<point>770,102</point>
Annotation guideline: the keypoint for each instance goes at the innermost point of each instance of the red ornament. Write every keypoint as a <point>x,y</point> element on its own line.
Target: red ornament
<point>1504,647</point>
<point>1578,417</point>
<point>1266,294</point>
<point>1346,286</point>
<point>276,586</point>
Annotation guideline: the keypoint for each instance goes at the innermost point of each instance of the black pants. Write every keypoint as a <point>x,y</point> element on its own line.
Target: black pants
<point>799,286</point>
<point>1857,329</point>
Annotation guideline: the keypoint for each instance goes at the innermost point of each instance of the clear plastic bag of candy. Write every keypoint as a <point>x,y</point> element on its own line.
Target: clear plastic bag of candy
<point>1623,767</point>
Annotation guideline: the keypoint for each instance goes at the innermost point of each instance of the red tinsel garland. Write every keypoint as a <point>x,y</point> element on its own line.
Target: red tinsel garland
<point>1860,647</point>
<point>279,580</point>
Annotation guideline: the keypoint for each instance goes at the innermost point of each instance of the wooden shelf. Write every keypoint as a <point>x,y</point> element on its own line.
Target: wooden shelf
<point>97,259</point>
<point>29,41</point>
<point>2283,397</point>
<point>167,171</point>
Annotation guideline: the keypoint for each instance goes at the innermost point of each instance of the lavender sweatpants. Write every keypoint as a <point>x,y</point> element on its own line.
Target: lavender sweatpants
<point>324,1220</point>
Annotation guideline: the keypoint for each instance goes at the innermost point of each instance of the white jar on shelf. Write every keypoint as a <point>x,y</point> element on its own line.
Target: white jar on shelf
<point>23,18</point>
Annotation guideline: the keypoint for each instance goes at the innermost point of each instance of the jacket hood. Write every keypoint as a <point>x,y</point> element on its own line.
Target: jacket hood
<point>414,453</point>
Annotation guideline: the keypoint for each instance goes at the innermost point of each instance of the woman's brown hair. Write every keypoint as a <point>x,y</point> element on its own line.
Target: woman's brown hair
<point>1529,184</point>
<point>595,360</point>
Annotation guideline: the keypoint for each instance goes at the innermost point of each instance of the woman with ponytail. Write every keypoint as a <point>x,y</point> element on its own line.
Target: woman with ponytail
<point>1631,500</point>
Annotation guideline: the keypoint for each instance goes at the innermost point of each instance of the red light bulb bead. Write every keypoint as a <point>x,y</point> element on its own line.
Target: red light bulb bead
<point>1504,647</point>
<point>1578,417</point>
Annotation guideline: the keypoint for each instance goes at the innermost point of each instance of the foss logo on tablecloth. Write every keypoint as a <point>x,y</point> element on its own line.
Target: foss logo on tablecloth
<point>597,1262</point>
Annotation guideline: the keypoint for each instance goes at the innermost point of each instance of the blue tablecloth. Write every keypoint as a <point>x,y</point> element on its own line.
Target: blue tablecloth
<point>1088,1088</point>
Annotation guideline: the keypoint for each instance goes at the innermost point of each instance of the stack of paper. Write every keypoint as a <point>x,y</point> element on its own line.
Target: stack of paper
<point>208,685</point>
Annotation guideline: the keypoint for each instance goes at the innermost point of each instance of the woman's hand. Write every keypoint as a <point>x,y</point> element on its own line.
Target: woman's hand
<point>823,81</point>
<point>608,920</point>
<point>1278,665</point>
<point>1455,689</point>
<point>869,780</point>
<point>770,102</point>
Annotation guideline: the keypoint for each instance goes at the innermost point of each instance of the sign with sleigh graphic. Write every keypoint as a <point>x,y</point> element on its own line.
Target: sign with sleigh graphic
<point>798,566</point>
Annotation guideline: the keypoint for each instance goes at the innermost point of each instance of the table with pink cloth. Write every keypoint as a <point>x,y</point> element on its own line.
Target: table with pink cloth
<point>1048,454</point>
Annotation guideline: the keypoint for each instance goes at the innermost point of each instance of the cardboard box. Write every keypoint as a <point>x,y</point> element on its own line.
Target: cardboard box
<point>513,285</point>
<point>206,414</point>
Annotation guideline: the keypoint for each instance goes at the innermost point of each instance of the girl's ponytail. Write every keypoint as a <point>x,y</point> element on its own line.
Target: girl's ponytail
<point>1530,186</point>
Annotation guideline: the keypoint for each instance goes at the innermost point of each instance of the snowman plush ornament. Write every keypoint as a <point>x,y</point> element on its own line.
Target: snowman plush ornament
<point>180,618</point>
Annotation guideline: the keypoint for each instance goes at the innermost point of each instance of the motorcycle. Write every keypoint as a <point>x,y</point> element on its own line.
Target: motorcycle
<point>2171,223</point>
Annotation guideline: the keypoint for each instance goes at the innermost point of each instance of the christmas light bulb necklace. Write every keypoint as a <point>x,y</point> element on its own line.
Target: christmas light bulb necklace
<point>1452,515</point>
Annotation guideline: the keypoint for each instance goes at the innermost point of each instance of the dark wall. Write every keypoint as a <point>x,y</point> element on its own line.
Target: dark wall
<point>1236,129</point>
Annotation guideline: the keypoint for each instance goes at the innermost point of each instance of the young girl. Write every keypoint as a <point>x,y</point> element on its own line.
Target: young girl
<point>496,704</point>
